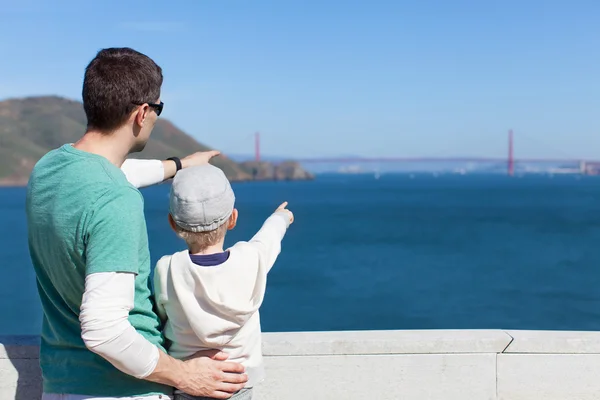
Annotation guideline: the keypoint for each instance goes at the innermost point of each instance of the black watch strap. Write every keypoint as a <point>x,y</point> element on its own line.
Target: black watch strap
<point>177,162</point>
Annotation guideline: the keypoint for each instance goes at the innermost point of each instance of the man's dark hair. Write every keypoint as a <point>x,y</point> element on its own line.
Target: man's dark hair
<point>116,81</point>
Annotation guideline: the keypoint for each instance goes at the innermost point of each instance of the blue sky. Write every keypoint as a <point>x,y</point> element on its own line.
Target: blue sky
<point>376,78</point>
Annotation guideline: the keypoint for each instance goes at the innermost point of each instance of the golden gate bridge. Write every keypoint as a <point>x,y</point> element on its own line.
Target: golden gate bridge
<point>585,166</point>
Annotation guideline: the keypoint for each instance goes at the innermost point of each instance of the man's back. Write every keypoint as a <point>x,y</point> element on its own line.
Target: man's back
<point>83,218</point>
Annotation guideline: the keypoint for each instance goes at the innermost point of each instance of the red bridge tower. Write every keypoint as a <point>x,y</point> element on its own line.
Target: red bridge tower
<point>511,160</point>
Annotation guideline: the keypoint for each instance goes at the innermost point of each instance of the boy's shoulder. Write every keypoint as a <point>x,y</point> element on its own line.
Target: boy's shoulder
<point>164,263</point>
<point>246,251</point>
<point>242,246</point>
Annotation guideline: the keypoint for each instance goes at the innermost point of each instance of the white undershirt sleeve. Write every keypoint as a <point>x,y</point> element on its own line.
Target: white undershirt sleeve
<point>142,173</point>
<point>105,328</point>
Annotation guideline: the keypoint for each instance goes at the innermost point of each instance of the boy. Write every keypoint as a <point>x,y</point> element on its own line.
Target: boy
<point>209,297</point>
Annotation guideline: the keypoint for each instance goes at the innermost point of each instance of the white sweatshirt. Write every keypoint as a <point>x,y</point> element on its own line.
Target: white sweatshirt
<point>217,307</point>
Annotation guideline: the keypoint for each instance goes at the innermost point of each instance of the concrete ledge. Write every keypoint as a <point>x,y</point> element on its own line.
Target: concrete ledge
<point>20,375</point>
<point>381,377</point>
<point>386,365</point>
<point>554,342</point>
<point>548,376</point>
<point>384,342</point>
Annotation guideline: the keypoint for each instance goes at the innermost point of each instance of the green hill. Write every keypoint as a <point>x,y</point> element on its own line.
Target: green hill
<point>32,126</point>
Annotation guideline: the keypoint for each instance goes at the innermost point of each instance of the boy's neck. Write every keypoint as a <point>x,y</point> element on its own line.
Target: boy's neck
<point>216,249</point>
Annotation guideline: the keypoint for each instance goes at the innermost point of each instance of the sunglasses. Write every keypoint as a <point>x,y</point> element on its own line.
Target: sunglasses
<point>157,107</point>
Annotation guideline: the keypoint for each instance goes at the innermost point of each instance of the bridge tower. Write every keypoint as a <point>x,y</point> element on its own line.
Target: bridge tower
<point>511,160</point>
<point>257,147</point>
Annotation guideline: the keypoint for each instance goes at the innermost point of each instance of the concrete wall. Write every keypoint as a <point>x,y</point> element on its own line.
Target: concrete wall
<point>437,364</point>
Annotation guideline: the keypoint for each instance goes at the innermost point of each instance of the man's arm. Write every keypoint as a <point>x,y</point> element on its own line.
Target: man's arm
<point>106,331</point>
<point>105,328</point>
<point>144,173</point>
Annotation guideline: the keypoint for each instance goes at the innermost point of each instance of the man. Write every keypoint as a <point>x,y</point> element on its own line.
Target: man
<point>89,247</point>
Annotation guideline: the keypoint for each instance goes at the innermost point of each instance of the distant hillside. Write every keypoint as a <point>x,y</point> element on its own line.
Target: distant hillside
<point>30,127</point>
<point>287,170</point>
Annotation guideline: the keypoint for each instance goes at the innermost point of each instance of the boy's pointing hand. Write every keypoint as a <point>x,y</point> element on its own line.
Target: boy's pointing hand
<point>283,208</point>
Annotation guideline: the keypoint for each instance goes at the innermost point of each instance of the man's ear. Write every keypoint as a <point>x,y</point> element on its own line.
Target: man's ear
<point>233,219</point>
<point>172,223</point>
<point>141,114</point>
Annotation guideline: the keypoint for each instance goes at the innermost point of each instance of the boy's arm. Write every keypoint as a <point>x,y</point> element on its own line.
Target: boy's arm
<point>159,291</point>
<point>245,287</point>
<point>267,240</point>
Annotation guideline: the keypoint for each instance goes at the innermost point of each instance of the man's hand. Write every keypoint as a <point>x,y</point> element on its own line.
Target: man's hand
<point>282,208</point>
<point>205,374</point>
<point>208,375</point>
<point>199,158</point>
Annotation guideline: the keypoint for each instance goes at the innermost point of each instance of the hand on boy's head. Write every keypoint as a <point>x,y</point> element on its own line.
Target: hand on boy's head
<point>199,158</point>
<point>283,208</point>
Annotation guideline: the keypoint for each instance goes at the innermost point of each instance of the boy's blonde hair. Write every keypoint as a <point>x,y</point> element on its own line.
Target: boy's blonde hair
<point>201,241</point>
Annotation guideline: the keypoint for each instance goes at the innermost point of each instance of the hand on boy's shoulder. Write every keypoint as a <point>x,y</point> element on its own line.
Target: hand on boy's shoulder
<point>283,209</point>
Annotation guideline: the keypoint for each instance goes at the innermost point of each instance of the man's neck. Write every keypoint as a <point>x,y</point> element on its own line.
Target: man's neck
<point>110,146</point>
<point>217,248</point>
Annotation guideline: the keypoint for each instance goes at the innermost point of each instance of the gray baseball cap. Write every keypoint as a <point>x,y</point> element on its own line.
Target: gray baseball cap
<point>201,198</point>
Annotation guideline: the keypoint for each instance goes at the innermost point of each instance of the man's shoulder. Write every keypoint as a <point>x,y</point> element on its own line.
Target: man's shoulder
<point>61,179</point>
<point>49,157</point>
<point>78,168</point>
<point>52,160</point>
<point>121,204</point>
<point>124,195</point>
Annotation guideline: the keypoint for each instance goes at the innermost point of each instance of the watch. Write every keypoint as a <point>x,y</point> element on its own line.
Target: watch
<point>177,162</point>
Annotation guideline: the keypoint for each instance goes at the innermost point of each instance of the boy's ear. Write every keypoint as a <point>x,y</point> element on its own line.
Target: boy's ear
<point>233,219</point>
<point>172,223</point>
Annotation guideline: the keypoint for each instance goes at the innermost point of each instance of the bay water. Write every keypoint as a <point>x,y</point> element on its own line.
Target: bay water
<point>399,252</point>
